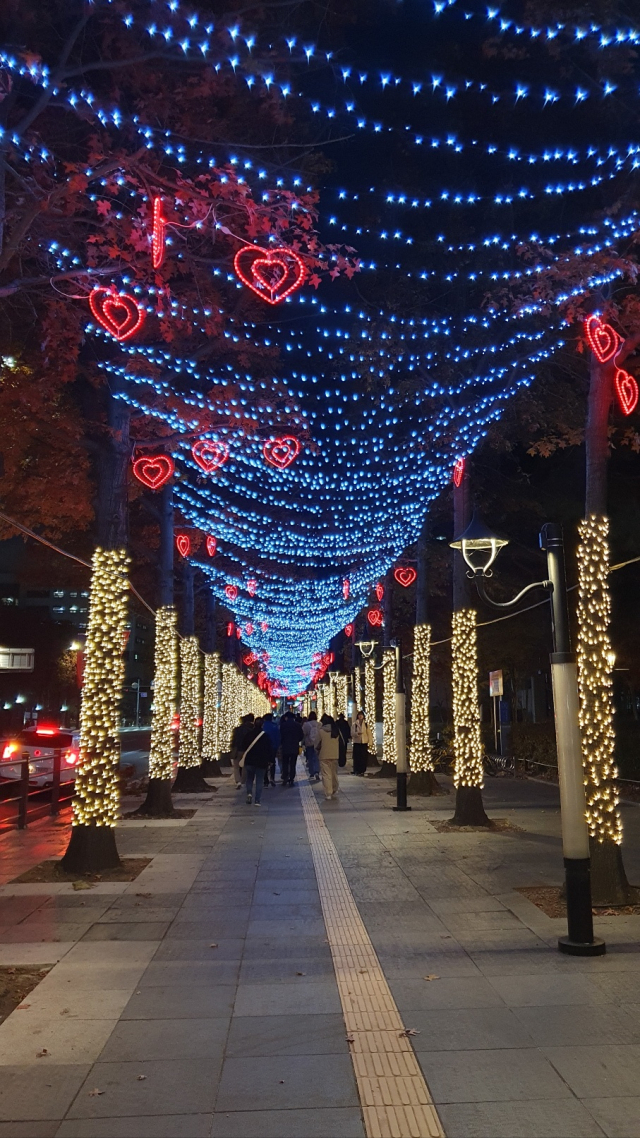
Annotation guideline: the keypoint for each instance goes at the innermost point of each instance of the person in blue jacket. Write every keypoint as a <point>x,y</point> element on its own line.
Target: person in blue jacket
<point>271,729</point>
<point>290,739</point>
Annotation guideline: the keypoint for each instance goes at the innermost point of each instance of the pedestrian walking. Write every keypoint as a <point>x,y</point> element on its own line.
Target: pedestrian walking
<point>311,742</point>
<point>270,728</point>
<point>344,732</point>
<point>329,755</point>
<point>362,742</point>
<point>255,760</point>
<point>290,739</point>
<point>239,740</point>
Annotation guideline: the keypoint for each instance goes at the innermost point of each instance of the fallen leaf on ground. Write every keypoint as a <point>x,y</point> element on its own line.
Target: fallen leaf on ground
<point>364,971</point>
<point>350,1039</point>
<point>275,894</point>
<point>410,1031</point>
<point>64,1012</point>
<point>41,1054</point>
<point>141,1077</point>
<point>82,885</point>
<point>301,974</point>
<point>281,1081</point>
<point>431,976</point>
<point>95,1092</point>
<point>213,946</point>
<point>144,894</point>
<point>22,1007</point>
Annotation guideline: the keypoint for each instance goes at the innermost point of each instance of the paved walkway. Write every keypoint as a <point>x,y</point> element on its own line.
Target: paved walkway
<point>258,977</point>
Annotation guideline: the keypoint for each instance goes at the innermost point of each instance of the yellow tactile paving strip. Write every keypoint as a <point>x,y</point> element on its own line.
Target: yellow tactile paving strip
<point>395,1098</point>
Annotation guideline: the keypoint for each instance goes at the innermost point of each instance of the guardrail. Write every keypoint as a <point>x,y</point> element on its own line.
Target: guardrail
<point>21,802</point>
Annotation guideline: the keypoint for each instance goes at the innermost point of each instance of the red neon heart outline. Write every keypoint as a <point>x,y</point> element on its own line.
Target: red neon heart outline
<point>183,544</point>
<point>458,471</point>
<point>281,452</point>
<point>346,588</point>
<point>212,545</point>
<point>379,591</point>
<point>231,592</point>
<point>293,269</point>
<point>249,629</point>
<point>374,616</point>
<point>405,575</point>
<point>596,333</point>
<point>627,391</point>
<point>157,234</point>
<point>210,454</point>
<point>251,588</point>
<point>348,629</point>
<point>153,470</point>
<point>102,301</point>
<point>263,625</point>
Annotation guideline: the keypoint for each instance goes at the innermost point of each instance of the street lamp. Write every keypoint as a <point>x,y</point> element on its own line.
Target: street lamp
<point>480,547</point>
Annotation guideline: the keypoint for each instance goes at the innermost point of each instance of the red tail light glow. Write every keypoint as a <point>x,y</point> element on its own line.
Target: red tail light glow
<point>9,750</point>
<point>71,758</point>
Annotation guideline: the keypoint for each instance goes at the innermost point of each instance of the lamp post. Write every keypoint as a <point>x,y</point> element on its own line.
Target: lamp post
<point>480,547</point>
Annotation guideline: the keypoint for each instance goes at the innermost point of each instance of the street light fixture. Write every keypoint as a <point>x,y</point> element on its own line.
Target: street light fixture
<point>480,547</point>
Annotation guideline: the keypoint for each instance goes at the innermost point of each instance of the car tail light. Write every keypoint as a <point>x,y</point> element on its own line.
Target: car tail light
<point>37,753</point>
<point>71,758</point>
<point>45,730</point>
<point>9,750</point>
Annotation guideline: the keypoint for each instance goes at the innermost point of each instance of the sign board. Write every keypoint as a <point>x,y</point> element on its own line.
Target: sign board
<point>16,659</point>
<point>495,684</point>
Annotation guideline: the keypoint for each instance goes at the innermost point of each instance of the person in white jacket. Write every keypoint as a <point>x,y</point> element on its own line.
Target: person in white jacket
<point>329,755</point>
<point>311,743</point>
<point>362,743</point>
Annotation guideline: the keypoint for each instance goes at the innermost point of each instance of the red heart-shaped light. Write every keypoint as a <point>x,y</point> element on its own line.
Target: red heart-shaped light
<point>249,629</point>
<point>405,575</point>
<point>263,625</point>
<point>346,588</point>
<point>210,454</point>
<point>118,312</point>
<point>458,472</point>
<point>603,339</point>
<point>627,391</point>
<point>374,616</point>
<point>251,588</point>
<point>183,544</point>
<point>281,452</point>
<point>153,470</point>
<point>231,628</point>
<point>379,591</point>
<point>212,545</point>
<point>231,592</point>
<point>348,630</point>
<point>272,274</point>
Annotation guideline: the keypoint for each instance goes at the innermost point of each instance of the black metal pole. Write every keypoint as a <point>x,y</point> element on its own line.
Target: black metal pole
<point>580,940</point>
<point>401,738</point>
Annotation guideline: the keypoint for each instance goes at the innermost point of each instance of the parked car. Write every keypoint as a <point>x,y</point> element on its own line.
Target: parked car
<point>38,745</point>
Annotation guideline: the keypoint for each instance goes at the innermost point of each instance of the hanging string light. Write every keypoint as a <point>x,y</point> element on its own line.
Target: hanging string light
<point>97,777</point>
<point>467,739</point>
<point>165,693</point>
<point>370,699</point>
<point>421,755</point>
<point>595,667</point>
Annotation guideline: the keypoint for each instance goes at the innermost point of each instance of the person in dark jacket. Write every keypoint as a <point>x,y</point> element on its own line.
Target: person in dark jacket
<point>270,728</point>
<point>239,740</point>
<point>344,732</point>
<point>290,739</point>
<point>257,756</point>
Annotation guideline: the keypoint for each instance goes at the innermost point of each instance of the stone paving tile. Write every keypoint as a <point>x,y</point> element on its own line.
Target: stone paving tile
<point>136,1040</point>
<point>292,1081</point>
<point>298,1034</point>
<point>308,996</point>
<point>598,1071</point>
<point>170,1086</point>
<point>545,989</point>
<point>338,1123</point>
<point>183,1001</point>
<point>469,1028</point>
<point>227,948</point>
<point>172,1126</point>
<point>571,1025</point>
<point>22,1097</point>
<point>138,930</point>
<point>164,973</point>
<point>618,1117</point>
<point>31,1129</point>
<point>288,971</point>
<point>44,1042</point>
<point>447,992</point>
<point>491,1076</point>
<point>556,1119</point>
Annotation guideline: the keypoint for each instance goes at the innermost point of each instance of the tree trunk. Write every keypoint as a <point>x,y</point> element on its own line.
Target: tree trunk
<point>188,603</point>
<point>422,582</point>
<point>92,847</point>
<point>609,884</point>
<point>166,544</point>
<point>469,807</point>
<point>158,802</point>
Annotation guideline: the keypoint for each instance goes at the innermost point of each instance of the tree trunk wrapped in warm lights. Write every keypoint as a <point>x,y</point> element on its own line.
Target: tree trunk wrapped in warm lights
<point>595,666</point>
<point>468,773</point>
<point>422,779</point>
<point>370,699</point>
<point>158,803</point>
<point>229,709</point>
<point>211,713</point>
<point>389,753</point>
<point>189,778</point>
<point>95,807</point>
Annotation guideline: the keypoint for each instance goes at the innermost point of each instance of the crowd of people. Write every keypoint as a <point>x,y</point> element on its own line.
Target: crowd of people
<point>257,744</point>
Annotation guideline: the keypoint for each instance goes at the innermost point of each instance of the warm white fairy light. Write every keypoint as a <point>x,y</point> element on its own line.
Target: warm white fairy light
<point>190,700</point>
<point>211,712</point>
<point>595,667</point>
<point>342,694</point>
<point>165,693</point>
<point>370,698</point>
<point>467,738</point>
<point>389,753</point>
<point>97,778</point>
<point>421,754</point>
<point>229,713</point>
